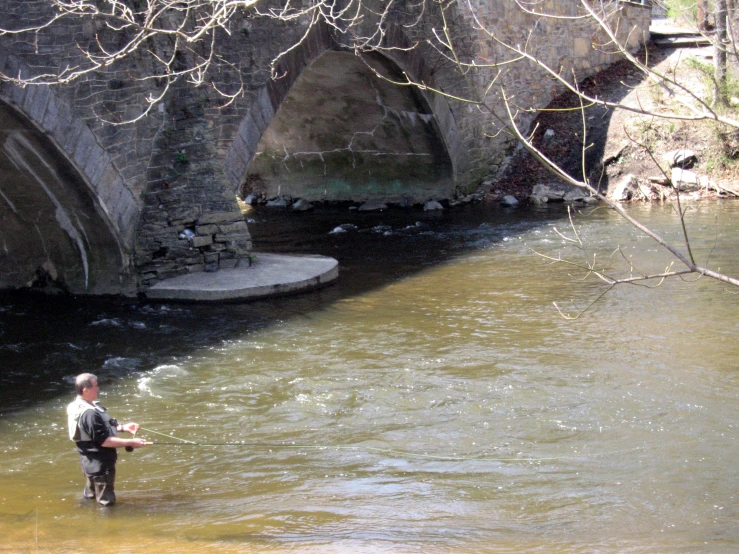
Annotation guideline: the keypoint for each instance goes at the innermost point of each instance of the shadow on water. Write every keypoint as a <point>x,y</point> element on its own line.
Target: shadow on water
<point>45,341</point>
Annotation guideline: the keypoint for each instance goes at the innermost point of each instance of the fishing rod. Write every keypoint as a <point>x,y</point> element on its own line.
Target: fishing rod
<point>390,451</point>
<point>275,445</point>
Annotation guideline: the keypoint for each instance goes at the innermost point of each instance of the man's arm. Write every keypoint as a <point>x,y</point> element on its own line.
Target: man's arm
<point>100,433</point>
<point>116,442</point>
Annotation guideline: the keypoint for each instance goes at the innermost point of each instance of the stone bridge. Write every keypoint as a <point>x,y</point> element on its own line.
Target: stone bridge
<point>101,208</point>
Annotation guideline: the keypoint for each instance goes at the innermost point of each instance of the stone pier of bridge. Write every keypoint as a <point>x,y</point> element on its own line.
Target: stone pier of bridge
<point>97,200</point>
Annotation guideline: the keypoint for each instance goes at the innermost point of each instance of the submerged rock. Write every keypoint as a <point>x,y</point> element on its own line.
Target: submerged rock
<point>575,195</point>
<point>384,229</point>
<point>684,180</point>
<point>302,205</point>
<point>279,202</point>
<point>549,192</point>
<point>343,228</point>
<point>404,203</point>
<point>625,189</point>
<point>432,205</point>
<point>373,206</point>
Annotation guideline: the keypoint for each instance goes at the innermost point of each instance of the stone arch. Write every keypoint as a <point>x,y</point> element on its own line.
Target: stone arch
<point>412,62</point>
<point>68,217</point>
<point>268,100</point>
<point>72,137</point>
<point>435,112</point>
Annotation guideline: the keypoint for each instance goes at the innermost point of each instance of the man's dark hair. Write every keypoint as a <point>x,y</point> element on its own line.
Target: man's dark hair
<point>84,381</point>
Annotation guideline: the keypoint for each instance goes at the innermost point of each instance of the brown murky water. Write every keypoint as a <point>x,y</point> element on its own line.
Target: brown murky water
<point>432,401</point>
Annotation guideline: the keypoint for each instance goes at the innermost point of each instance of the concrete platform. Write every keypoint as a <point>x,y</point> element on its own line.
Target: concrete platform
<point>269,275</point>
<point>666,33</point>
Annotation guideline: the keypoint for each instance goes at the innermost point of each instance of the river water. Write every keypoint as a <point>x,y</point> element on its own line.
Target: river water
<point>433,400</point>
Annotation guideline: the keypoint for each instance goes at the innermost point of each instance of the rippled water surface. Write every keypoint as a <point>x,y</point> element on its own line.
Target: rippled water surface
<point>432,401</point>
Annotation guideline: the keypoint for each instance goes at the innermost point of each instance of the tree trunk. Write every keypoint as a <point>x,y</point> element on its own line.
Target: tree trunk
<point>702,16</point>
<point>719,46</point>
<point>732,22</point>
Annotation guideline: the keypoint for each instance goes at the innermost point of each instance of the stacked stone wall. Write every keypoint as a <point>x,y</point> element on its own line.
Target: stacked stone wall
<point>570,43</point>
<point>575,45</point>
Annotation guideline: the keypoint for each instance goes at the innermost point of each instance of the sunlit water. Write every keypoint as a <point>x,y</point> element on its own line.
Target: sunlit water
<point>432,401</point>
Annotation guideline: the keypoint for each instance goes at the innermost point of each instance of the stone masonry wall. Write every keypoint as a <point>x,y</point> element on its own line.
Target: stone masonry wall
<point>167,181</point>
<point>576,45</point>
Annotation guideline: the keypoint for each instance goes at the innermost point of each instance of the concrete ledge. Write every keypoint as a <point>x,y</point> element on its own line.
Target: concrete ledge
<point>269,275</point>
<point>664,32</point>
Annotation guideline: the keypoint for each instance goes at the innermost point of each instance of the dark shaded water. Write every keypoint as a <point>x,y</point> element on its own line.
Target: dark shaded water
<point>436,400</point>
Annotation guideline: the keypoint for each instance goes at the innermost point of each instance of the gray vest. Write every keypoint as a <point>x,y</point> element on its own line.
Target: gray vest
<point>75,409</point>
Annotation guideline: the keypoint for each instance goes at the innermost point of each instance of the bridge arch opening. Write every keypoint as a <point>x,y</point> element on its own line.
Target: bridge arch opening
<point>343,134</point>
<point>54,233</point>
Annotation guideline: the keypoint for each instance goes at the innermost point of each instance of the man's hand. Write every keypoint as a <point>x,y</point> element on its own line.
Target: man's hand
<point>138,443</point>
<point>132,428</point>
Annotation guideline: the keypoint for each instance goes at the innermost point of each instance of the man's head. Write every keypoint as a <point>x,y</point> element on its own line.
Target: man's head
<point>86,385</point>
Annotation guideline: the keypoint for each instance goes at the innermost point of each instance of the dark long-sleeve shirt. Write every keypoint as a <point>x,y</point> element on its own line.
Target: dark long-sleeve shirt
<point>96,459</point>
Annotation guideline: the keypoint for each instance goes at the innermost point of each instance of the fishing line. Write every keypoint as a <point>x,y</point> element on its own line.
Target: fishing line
<point>399,453</point>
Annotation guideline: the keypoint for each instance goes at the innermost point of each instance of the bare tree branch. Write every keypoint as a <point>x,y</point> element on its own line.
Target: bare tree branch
<point>191,29</point>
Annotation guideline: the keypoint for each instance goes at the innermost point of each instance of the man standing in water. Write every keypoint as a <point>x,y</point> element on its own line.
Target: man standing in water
<point>95,431</point>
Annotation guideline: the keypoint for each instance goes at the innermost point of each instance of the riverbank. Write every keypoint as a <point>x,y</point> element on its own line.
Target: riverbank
<point>630,153</point>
